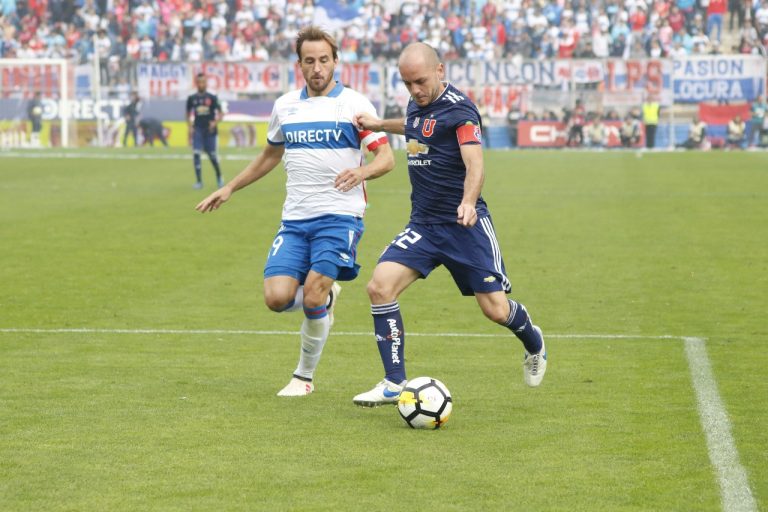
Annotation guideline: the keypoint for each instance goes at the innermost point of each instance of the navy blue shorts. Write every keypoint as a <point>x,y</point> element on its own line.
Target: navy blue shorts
<point>326,244</point>
<point>203,140</point>
<point>471,255</point>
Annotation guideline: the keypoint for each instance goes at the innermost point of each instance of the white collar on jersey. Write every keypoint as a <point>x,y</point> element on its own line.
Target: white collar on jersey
<point>334,92</point>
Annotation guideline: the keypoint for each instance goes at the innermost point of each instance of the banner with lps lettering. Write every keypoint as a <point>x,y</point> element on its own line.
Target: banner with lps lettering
<point>726,78</point>
<point>639,77</point>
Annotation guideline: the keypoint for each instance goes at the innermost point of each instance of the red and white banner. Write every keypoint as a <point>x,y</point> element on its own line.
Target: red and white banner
<point>226,79</point>
<point>554,134</point>
<point>22,80</point>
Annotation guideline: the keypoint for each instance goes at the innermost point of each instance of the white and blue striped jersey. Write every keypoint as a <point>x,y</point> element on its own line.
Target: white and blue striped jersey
<point>320,141</point>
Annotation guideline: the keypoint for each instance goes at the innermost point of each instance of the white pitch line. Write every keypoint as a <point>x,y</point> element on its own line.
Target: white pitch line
<point>113,156</point>
<point>89,330</point>
<point>734,484</point>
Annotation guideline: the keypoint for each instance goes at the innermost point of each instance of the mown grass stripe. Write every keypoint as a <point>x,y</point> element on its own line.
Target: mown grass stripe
<point>94,330</point>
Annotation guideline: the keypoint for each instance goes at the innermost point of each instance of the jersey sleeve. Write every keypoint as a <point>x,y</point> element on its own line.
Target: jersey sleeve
<point>189,106</point>
<point>274,130</point>
<point>370,139</point>
<point>468,126</point>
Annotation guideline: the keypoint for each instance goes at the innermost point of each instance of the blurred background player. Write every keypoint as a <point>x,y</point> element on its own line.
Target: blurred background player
<point>574,119</point>
<point>757,111</point>
<point>35,116</point>
<point>596,133</point>
<point>152,129</point>
<point>697,134</point>
<point>312,130</point>
<point>131,114</point>
<point>737,128</point>
<point>450,223</point>
<point>629,132</point>
<point>204,114</point>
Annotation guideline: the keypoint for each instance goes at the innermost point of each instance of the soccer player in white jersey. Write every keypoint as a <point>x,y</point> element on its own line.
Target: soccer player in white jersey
<point>312,130</point>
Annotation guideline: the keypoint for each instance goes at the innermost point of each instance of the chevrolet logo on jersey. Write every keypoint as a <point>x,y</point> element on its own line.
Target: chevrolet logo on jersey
<point>416,148</point>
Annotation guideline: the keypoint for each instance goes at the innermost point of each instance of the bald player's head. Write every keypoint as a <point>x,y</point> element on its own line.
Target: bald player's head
<point>419,54</point>
<point>422,72</point>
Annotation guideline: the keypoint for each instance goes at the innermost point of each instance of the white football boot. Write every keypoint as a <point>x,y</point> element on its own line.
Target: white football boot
<point>385,392</point>
<point>334,296</point>
<point>297,387</point>
<point>535,365</point>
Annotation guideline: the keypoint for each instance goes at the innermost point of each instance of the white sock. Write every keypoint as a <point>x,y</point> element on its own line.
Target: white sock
<point>298,301</point>
<point>314,334</point>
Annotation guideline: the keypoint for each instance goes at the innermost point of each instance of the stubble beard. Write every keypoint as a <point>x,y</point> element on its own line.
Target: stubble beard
<point>322,87</point>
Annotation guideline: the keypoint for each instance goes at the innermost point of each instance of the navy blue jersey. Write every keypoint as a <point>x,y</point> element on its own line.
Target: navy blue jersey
<point>435,167</point>
<point>204,107</point>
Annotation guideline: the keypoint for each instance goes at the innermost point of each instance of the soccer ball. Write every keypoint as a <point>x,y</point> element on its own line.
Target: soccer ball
<point>425,403</point>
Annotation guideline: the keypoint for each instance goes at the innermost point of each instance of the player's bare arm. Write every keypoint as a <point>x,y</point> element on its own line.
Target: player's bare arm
<point>472,155</point>
<point>383,162</point>
<point>215,121</point>
<point>258,168</point>
<point>370,122</point>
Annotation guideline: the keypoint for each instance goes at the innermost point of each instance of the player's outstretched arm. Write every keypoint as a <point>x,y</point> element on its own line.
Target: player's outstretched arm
<point>370,122</point>
<point>472,155</point>
<point>258,168</point>
<point>383,162</point>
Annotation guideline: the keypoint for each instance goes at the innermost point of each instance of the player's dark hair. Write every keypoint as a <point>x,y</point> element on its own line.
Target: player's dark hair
<point>200,75</point>
<point>313,33</point>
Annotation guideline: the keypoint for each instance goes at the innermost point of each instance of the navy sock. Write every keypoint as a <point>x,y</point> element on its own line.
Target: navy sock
<point>198,167</point>
<point>390,337</point>
<point>520,323</point>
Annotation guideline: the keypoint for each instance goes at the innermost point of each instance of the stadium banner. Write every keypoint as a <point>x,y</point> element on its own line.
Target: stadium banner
<point>79,109</point>
<point>719,78</point>
<point>22,80</point>
<point>17,134</point>
<point>723,114</point>
<point>171,80</point>
<point>554,134</point>
<point>163,79</point>
<point>648,77</point>
<point>497,85</point>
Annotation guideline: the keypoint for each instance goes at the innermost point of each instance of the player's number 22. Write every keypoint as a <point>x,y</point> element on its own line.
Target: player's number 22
<point>406,237</point>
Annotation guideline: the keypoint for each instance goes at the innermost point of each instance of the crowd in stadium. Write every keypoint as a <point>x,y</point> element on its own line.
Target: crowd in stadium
<point>237,30</point>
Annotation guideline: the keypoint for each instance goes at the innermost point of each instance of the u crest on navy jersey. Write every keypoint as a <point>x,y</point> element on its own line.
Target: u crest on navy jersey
<point>434,135</point>
<point>428,128</point>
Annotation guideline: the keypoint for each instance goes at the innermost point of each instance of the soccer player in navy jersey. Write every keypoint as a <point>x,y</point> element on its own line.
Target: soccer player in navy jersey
<point>312,131</point>
<point>450,224</point>
<point>203,115</point>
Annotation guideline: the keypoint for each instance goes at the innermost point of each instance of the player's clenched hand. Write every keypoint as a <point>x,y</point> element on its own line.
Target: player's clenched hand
<point>366,121</point>
<point>214,201</point>
<point>467,215</point>
<point>348,179</point>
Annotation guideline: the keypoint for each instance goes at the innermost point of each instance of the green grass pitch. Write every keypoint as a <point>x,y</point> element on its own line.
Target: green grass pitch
<point>140,412</point>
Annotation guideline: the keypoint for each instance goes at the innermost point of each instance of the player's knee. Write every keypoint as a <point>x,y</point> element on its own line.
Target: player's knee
<point>379,292</point>
<point>277,301</point>
<point>314,298</point>
<point>498,313</point>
